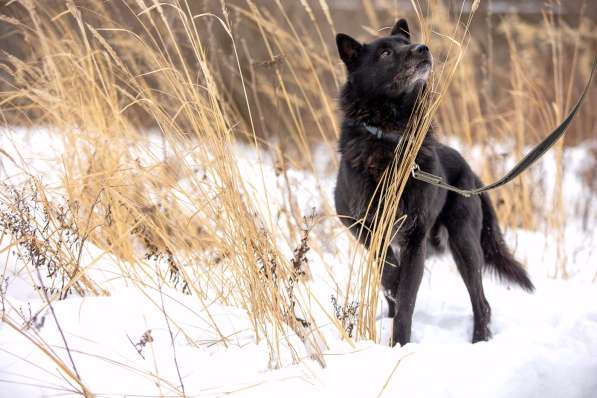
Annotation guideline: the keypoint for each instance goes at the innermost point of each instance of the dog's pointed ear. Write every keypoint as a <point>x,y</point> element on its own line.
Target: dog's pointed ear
<point>348,48</point>
<point>401,28</point>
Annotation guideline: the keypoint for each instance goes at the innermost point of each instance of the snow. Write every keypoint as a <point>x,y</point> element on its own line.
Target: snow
<point>544,344</point>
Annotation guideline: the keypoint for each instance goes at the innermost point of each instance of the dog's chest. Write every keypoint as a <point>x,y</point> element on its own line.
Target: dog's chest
<point>369,157</point>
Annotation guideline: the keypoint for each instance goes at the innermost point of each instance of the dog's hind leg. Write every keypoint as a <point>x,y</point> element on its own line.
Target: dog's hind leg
<point>465,245</point>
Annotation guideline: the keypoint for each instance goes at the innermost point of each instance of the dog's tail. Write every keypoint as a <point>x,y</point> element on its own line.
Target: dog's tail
<point>496,253</point>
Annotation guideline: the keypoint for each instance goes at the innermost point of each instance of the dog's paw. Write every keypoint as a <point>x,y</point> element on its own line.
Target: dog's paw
<point>483,334</point>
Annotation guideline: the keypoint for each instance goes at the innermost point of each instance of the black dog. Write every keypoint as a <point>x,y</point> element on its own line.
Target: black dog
<point>385,78</point>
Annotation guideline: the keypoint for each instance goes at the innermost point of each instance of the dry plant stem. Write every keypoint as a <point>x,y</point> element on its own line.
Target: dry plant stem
<point>158,276</point>
<point>49,303</point>
<point>392,373</point>
<point>46,350</point>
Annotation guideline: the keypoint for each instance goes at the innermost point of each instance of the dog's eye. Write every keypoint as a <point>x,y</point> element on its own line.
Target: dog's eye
<point>385,53</point>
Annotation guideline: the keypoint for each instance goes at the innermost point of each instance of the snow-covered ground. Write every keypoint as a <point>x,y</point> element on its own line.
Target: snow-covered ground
<point>544,344</point>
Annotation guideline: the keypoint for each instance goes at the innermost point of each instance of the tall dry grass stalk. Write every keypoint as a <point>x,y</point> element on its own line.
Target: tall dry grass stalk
<point>204,76</point>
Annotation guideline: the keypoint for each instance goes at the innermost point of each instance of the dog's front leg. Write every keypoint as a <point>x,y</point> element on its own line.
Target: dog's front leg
<point>412,259</point>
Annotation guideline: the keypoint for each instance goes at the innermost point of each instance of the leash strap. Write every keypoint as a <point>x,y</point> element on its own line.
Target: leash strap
<point>521,166</point>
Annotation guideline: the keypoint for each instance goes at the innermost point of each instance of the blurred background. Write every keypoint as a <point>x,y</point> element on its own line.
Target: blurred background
<point>545,39</point>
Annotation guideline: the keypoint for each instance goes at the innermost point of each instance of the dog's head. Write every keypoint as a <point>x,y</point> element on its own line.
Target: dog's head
<point>386,67</point>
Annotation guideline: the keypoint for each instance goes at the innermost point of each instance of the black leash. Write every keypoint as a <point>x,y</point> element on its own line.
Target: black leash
<point>524,164</point>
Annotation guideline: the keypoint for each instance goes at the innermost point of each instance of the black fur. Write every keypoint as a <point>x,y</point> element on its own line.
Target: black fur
<point>385,78</point>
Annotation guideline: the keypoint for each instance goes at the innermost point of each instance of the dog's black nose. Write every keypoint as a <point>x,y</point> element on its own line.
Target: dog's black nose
<point>420,49</point>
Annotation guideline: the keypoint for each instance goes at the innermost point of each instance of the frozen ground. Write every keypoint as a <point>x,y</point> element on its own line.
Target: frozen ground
<point>544,344</point>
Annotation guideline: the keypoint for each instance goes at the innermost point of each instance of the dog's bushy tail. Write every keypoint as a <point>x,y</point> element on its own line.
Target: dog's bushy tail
<point>496,253</point>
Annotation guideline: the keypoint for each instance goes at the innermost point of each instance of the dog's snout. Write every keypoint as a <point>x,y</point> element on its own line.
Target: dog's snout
<point>420,49</point>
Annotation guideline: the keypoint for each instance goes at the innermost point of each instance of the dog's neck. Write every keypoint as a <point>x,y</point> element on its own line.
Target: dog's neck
<point>387,114</point>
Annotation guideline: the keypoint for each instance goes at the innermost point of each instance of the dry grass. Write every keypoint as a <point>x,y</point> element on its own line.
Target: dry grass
<point>101,73</point>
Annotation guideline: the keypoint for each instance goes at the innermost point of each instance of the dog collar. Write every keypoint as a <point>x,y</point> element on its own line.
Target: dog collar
<point>416,172</point>
<point>381,135</point>
<point>376,131</point>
